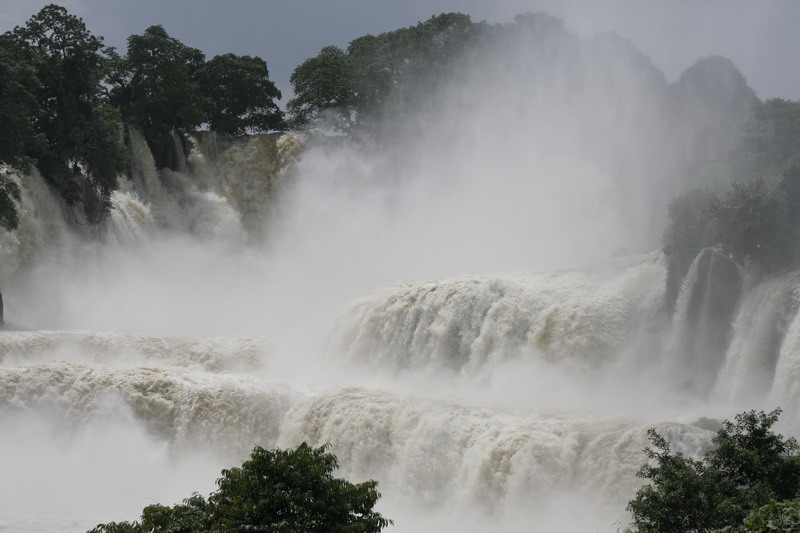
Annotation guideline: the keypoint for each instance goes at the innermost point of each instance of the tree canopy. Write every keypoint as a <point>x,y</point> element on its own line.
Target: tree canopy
<point>76,140</point>
<point>18,137</point>
<point>323,84</point>
<point>19,106</point>
<point>291,491</point>
<point>378,74</point>
<point>239,96</point>
<point>165,87</point>
<point>156,88</point>
<point>747,471</point>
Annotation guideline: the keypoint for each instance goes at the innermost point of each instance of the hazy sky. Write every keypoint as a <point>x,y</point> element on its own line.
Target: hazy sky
<point>760,36</point>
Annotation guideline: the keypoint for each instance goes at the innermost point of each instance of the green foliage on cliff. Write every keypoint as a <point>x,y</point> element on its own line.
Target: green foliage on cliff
<point>747,473</point>
<point>165,87</point>
<point>18,108</point>
<point>378,74</point>
<point>156,87</point>
<point>76,141</point>
<point>323,85</point>
<point>756,223</point>
<point>292,491</point>
<point>753,225</point>
<point>64,97</point>
<point>239,97</point>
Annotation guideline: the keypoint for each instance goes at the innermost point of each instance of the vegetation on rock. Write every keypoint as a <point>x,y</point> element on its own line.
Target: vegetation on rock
<point>64,98</point>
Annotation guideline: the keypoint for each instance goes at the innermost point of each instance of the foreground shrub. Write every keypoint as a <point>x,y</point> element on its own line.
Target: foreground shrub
<point>287,491</point>
<point>748,473</point>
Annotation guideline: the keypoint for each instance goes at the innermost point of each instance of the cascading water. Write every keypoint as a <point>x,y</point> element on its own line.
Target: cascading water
<point>42,229</point>
<point>785,390</point>
<point>466,324</point>
<point>760,327</point>
<point>703,317</point>
<point>257,294</point>
<point>451,393</point>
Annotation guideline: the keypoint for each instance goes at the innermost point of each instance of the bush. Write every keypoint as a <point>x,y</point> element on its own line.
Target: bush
<point>753,225</point>
<point>288,491</point>
<point>750,467</point>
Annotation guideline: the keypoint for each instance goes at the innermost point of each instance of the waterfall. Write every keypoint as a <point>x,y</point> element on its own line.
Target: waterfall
<point>759,329</point>
<point>163,350</point>
<point>178,152</point>
<point>427,453</point>
<point>209,354</point>
<point>43,229</point>
<point>702,322</point>
<point>219,190</point>
<point>785,389</point>
<point>131,220</point>
<point>465,305</point>
<point>144,174</point>
<point>464,324</point>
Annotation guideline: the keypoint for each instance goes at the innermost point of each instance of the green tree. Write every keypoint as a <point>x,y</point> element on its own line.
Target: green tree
<point>18,109</point>
<point>323,84</point>
<point>19,106</point>
<point>156,86</point>
<point>239,96</point>
<point>290,491</point>
<point>754,465</point>
<point>379,75</point>
<point>82,153</point>
<point>676,499</point>
<point>751,221</point>
<point>395,71</point>
<point>748,467</point>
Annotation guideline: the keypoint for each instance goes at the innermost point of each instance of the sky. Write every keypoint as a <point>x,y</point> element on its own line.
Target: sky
<point>760,36</point>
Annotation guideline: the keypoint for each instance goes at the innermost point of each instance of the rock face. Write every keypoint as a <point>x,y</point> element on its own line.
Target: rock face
<point>1,310</point>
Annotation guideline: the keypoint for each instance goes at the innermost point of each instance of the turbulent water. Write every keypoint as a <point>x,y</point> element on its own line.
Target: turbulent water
<point>203,319</point>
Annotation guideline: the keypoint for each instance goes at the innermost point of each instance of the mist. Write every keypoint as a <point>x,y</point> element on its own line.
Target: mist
<point>469,305</point>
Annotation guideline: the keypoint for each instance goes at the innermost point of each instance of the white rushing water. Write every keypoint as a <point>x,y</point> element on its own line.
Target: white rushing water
<point>164,354</point>
<point>470,312</point>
